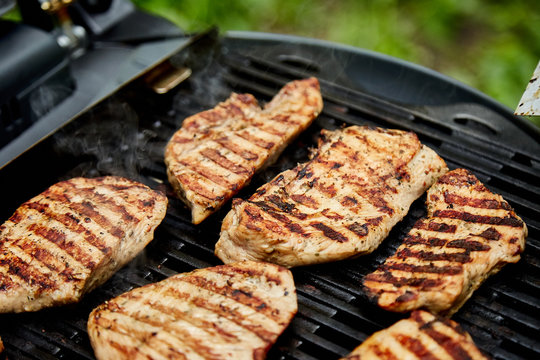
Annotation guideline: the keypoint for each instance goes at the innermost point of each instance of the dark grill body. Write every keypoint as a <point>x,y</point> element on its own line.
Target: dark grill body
<point>126,135</point>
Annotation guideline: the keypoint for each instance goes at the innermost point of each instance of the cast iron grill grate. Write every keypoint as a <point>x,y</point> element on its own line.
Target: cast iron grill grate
<point>126,135</point>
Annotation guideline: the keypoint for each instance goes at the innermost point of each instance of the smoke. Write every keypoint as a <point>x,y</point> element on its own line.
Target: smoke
<point>105,141</point>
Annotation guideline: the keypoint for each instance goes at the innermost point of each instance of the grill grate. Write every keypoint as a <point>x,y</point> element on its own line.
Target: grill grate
<point>126,136</point>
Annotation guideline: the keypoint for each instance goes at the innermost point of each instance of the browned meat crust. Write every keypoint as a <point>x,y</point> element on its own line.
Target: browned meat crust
<point>469,234</point>
<point>342,203</point>
<point>73,237</point>
<point>422,336</point>
<point>217,152</point>
<point>234,311</point>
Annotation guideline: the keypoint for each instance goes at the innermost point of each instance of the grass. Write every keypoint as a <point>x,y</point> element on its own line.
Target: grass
<point>491,46</point>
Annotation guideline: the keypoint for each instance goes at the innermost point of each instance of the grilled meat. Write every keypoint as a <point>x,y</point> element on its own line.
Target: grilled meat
<point>217,152</point>
<point>469,234</point>
<point>234,311</point>
<point>341,203</point>
<point>71,238</point>
<point>422,336</point>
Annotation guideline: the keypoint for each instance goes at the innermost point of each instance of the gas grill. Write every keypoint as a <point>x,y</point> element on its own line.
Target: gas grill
<point>125,134</point>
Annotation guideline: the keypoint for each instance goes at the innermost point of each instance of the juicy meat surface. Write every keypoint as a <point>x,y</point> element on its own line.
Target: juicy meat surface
<point>216,152</point>
<point>234,311</point>
<point>422,336</point>
<point>72,237</point>
<point>342,203</point>
<point>469,233</point>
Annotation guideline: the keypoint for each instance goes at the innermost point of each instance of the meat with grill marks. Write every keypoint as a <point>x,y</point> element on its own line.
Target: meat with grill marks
<point>469,233</point>
<point>422,336</point>
<point>234,311</point>
<point>216,152</point>
<point>342,203</point>
<point>72,237</point>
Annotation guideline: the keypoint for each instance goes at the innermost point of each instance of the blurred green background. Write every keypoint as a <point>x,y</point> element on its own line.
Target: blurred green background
<point>492,46</point>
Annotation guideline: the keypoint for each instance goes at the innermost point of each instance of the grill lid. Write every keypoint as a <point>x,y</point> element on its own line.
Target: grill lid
<point>126,134</point>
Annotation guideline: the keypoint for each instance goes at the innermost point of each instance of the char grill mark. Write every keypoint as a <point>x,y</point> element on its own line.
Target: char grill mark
<point>416,347</point>
<point>474,202</point>
<point>469,245</point>
<point>481,219</point>
<point>207,173</point>
<point>279,216</point>
<point>195,186</point>
<point>267,145</point>
<point>329,232</point>
<point>430,269</point>
<point>435,226</point>
<point>228,144</point>
<point>459,257</point>
<point>222,161</point>
<point>419,282</point>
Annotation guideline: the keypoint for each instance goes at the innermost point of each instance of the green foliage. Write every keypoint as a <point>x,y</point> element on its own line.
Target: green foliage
<point>490,45</point>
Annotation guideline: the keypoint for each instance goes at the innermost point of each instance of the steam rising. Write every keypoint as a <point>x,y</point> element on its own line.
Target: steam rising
<point>108,140</point>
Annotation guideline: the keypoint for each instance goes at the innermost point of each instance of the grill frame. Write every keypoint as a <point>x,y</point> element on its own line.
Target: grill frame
<point>334,314</point>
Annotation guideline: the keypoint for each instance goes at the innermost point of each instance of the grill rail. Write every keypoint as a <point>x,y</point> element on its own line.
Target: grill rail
<point>126,135</point>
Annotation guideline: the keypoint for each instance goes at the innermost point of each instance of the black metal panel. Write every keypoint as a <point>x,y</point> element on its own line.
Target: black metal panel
<point>126,135</point>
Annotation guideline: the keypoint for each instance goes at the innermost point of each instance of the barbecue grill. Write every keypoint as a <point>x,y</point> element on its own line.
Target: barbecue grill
<point>125,134</point>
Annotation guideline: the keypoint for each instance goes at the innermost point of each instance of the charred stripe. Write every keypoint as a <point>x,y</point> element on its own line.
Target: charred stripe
<point>490,234</point>
<point>416,347</point>
<point>450,198</point>
<point>305,200</point>
<point>429,269</point>
<point>425,224</point>
<point>469,245</point>
<point>196,187</point>
<point>280,217</point>
<point>228,144</point>
<point>225,163</point>
<point>429,256</point>
<point>359,229</point>
<point>329,232</point>
<point>419,240</point>
<point>209,174</point>
<point>511,221</point>
<point>255,140</point>
<point>422,283</point>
